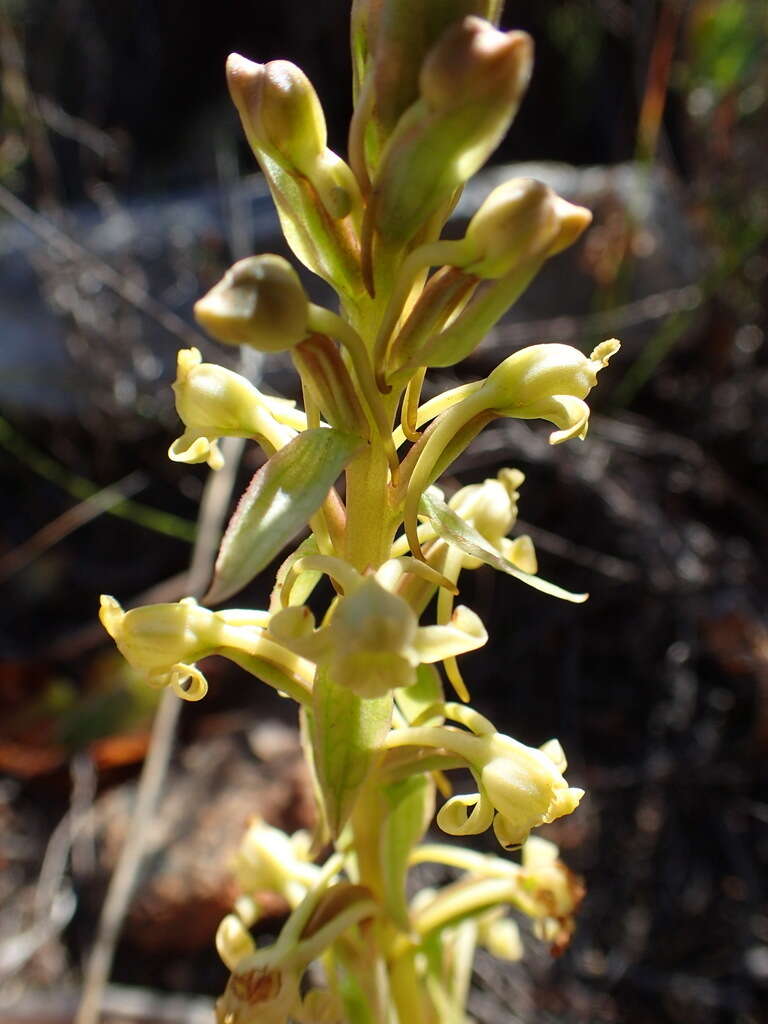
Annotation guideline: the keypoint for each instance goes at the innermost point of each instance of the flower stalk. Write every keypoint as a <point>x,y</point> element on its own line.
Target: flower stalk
<point>368,672</point>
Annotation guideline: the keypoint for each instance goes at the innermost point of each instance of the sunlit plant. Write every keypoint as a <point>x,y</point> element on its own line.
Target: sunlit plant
<point>436,86</point>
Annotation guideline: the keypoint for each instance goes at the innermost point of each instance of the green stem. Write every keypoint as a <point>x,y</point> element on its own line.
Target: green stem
<point>370,523</point>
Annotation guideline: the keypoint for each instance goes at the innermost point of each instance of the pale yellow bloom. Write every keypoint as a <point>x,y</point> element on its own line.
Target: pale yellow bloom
<point>233,941</point>
<point>548,382</point>
<point>163,641</point>
<point>214,402</point>
<point>526,786</point>
<point>373,642</point>
<point>269,860</point>
<point>491,507</point>
<point>519,787</point>
<point>500,935</point>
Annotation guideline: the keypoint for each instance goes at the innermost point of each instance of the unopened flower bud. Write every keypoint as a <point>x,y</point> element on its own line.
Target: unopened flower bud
<point>281,107</point>
<point>260,301</point>
<point>284,121</point>
<point>520,224</point>
<point>573,221</point>
<point>387,61</point>
<point>471,83</point>
<point>473,62</point>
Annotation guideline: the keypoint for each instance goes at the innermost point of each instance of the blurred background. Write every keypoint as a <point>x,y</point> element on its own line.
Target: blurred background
<point>125,191</point>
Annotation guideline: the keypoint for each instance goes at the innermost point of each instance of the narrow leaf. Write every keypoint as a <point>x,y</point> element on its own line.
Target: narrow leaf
<point>280,499</point>
<point>451,527</point>
<point>410,805</point>
<point>347,732</point>
<point>321,834</point>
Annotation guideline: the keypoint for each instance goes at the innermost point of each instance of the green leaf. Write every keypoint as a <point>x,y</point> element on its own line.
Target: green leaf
<point>424,693</point>
<point>451,527</point>
<point>347,732</point>
<point>409,807</point>
<point>280,499</point>
<point>321,835</point>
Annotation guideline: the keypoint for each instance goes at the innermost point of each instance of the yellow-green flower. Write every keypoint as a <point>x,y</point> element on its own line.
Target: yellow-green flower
<point>214,402</point>
<point>547,382</point>
<point>525,785</point>
<point>519,787</point>
<point>163,641</point>
<point>500,935</point>
<point>268,860</point>
<point>373,642</point>
<point>491,507</point>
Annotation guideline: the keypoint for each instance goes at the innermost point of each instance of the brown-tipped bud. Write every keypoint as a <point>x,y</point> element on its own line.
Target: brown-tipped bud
<point>390,39</point>
<point>260,302</point>
<point>475,62</point>
<point>280,110</point>
<point>521,222</point>
<point>471,85</point>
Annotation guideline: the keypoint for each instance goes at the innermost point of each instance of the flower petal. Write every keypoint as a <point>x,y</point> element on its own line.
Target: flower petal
<point>465,632</point>
<point>453,818</point>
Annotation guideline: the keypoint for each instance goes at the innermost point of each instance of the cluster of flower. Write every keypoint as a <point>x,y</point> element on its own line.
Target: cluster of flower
<point>431,105</point>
